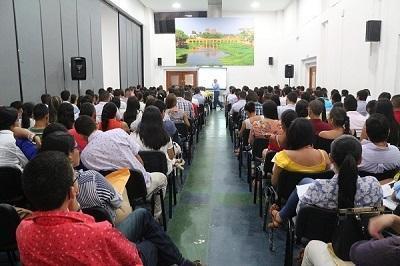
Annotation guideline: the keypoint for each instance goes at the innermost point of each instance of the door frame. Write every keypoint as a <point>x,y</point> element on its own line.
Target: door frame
<point>307,64</point>
<point>181,73</point>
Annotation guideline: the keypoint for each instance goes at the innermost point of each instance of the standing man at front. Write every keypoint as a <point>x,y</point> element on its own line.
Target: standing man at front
<point>215,87</point>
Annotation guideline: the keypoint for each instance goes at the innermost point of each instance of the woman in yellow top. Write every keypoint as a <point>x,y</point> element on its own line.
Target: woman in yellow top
<point>300,156</point>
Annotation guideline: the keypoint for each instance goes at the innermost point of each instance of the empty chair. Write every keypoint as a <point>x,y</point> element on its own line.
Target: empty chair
<point>99,214</point>
<point>11,187</point>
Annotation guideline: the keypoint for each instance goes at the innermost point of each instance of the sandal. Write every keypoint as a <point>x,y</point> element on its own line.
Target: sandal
<point>275,223</point>
<point>274,207</point>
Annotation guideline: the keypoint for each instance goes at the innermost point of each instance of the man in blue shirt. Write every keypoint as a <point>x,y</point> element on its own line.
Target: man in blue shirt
<point>215,87</point>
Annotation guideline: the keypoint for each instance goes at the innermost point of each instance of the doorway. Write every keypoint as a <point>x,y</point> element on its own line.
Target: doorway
<point>181,78</point>
<point>312,77</point>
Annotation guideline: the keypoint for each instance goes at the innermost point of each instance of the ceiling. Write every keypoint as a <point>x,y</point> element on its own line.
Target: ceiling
<point>227,5</point>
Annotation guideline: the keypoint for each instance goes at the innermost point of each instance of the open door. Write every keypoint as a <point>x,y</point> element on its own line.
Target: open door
<point>181,78</point>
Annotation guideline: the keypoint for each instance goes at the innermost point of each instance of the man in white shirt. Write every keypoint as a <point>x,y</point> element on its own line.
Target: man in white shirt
<point>239,104</point>
<point>231,98</point>
<point>104,98</point>
<point>362,96</point>
<point>357,120</point>
<point>114,149</point>
<point>197,95</point>
<point>291,100</point>
<point>10,154</point>
<point>378,156</point>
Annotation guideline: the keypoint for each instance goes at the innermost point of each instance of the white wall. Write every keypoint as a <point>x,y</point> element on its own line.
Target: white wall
<point>110,46</point>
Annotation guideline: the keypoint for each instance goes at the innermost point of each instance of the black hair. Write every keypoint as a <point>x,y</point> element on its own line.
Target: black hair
<point>346,152</point>
<point>16,104</point>
<point>87,109</point>
<point>306,96</point>
<point>160,105</point>
<point>334,91</point>
<point>45,98</point>
<point>117,93</point>
<point>345,93</point>
<point>292,97</point>
<point>316,107</point>
<point>85,125</point>
<point>385,107</point>
<point>385,95</point>
<point>377,127</point>
<point>84,99</point>
<point>73,98</point>
<point>132,109</point>
<point>302,108</point>
<point>47,179</point>
<point>65,115</point>
<point>58,141</point>
<point>27,112</point>
<point>275,99</point>
<point>336,98</point>
<point>362,95</point>
<point>40,111</point>
<point>109,112</point>
<point>104,96</point>
<point>338,104</point>
<point>242,95</point>
<point>89,92</point>
<point>323,114</point>
<point>53,127</point>
<point>270,110</point>
<point>371,107</point>
<point>109,89</point>
<point>8,117</point>
<point>117,102</point>
<point>250,107</point>
<point>151,129</point>
<point>65,94</point>
<point>350,103</point>
<point>287,118</point>
<point>340,119</point>
<point>300,134</point>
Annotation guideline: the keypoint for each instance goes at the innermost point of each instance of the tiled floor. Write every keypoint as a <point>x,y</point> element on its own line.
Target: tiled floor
<point>215,219</point>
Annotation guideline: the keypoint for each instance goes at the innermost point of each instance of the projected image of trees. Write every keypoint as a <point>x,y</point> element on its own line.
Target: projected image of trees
<point>216,41</point>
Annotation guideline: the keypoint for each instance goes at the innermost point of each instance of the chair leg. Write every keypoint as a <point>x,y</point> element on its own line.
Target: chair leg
<point>255,189</point>
<point>10,258</point>
<point>170,191</point>
<point>289,244</point>
<point>249,166</point>
<point>174,192</point>
<point>260,194</point>
<point>163,214</point>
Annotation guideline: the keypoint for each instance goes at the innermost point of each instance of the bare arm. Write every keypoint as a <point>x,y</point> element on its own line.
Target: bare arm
<point>186,120</point>
<point>139,159</point>
<point>171,153</point>
<point>363,134</point>
<point>276,171</point>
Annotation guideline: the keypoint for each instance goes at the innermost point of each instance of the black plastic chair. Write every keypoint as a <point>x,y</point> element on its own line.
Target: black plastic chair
<point>11,187</point>
<point>184,134</point>
<point>380,176</point>
<point>8,225</point>
<point>99,214</point>
<point>323,144</point>
<point>259,145</point>
<point>269,190</point>
<point>156,161</point>
<point>243,148</point>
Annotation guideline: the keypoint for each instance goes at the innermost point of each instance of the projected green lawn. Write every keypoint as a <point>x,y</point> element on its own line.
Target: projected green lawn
<point>224,41</point>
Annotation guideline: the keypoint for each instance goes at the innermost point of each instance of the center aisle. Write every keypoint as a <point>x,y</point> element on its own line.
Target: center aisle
<point>215,220</point>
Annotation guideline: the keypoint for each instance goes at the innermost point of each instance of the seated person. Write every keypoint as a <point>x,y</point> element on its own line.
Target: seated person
<point>114,149</point>
<point>109,118</point>
<point>345,190</point>
<point>237,106</point>
<point>133,114</point>
<point>278,142</point>
<point>380,251</point>
<point>168,125</point>
<point>315,109</point>
<point>152,136</point>
<point>85,109</point>
<point>357,120</point>
<point>59,234</point>
<point>340,125</point>
<point>250,109</point>
<point>176,115</point>
<point>377,155</point>
<point>300,156</point>
<point>41,116</point>
<point>268,125</point>
<point>10,154</point>
<point>302,108</point>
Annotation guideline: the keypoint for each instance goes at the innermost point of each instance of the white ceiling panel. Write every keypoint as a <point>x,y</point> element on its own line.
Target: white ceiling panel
<point>166,5</point>
<point>254,5</point>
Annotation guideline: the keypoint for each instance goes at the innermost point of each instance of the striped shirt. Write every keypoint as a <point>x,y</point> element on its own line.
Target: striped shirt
<point>94,190</point>
<point>185,106</point>
<point>258,108</point>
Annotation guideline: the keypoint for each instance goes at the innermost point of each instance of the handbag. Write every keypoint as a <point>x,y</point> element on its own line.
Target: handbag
<point>352,226</point>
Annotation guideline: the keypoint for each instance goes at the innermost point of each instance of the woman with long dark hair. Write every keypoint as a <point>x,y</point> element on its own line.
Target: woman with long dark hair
<point>132,112</point>
<point>268,125</point>
<point>109,118</point>
<point>151,135</point>
<point>385,107</point>
<point>65,115</point>
<point>27,112</point>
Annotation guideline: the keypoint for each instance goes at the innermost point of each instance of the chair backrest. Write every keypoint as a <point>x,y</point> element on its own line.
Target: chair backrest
<point>380,176</point>
<point>314,223</point>
<point>287,181</point>
<point>259,145</point>
<point>201,109</point>
<point>268,164</point>
<point>99,214</point>
<point>245,137</point>
<point>182,129</point>
<point>136,187</point>
<point>11,186</point>
<point>323,144</point>
<point>154,161</point>
<point>8,225</point>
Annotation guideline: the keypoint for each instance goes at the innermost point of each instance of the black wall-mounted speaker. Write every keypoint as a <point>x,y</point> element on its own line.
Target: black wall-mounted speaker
<point>289,71</point>
<point>270,61</point>
<point>373,31</point>
<point>159,61</point>
<point>78,68</point>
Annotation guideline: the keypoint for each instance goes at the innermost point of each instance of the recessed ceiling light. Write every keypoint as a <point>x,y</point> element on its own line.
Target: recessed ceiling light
<point>255,4</point>
<point>176,5</point>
